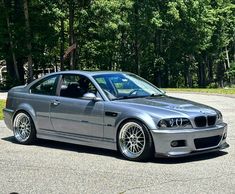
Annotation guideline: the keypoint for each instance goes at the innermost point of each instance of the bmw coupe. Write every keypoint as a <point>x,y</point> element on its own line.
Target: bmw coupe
<point>113,110</point>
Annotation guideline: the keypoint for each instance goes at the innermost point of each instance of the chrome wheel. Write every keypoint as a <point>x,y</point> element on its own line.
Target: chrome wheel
<point>132,140</point>
<point>22,127</point>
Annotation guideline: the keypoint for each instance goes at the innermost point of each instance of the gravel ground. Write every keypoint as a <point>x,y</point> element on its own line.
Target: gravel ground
<point>53,167</point>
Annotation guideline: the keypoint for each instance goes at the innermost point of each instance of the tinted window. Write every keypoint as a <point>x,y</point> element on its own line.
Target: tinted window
<point>75,86</point>
<point>46,86</point>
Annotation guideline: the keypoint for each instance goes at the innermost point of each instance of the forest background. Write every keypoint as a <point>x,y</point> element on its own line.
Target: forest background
<point>172,43</point>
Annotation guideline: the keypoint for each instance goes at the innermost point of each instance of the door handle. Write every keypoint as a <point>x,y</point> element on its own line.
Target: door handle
<point>55,102</point>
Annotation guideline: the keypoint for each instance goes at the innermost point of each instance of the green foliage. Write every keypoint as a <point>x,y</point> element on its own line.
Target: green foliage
<point>213,85</point>
<point>231,71</point>
<point>175,43</point>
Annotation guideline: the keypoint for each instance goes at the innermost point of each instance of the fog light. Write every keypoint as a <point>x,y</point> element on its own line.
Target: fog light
<point>178,143</point>
<point>174,143</point>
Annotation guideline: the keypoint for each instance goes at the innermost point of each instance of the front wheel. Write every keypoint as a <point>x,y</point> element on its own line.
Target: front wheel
<point>135,141</point>
<point>23,128</point>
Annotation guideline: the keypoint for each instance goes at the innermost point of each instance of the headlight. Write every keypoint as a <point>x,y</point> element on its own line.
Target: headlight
<point>219,117</point>
<point>175,123</point>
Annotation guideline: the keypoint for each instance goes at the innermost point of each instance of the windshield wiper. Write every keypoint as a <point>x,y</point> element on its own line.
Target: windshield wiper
<point>128,97</point>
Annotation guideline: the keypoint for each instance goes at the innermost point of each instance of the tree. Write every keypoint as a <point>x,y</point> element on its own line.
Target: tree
<point>28,40</point>
<point>12,49</point>
<point>174,43</point>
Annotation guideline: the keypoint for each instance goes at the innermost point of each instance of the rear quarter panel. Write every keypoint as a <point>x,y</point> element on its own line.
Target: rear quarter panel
<point>37,106</point>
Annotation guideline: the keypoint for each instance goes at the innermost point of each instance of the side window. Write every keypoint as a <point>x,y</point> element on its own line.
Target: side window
<point>46,86</point>
<point>75,86</point>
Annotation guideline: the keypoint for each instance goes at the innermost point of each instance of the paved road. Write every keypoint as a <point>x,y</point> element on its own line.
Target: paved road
<point>52,167</point>
<point>3,95</point>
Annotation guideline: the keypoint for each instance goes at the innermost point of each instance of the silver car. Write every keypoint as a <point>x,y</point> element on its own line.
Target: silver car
<point>113,110</point>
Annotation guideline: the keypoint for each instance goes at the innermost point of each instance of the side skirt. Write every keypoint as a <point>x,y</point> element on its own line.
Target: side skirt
<point>77,139</point>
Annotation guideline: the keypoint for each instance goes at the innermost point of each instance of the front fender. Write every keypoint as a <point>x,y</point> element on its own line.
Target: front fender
<point>143,117</point>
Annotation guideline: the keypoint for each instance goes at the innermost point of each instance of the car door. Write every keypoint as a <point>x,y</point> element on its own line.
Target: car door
<point>39,98</point>
<point>71,114</point>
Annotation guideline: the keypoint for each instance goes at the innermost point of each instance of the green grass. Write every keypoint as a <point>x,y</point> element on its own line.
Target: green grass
<point>2,105</point>
<point>229,91</point>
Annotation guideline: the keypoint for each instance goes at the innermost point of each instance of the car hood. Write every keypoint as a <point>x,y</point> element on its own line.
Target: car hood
<point>167,106</point>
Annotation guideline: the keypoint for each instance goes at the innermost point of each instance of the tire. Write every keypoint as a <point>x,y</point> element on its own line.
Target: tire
<point>134,141</point>
<point>23,128</point>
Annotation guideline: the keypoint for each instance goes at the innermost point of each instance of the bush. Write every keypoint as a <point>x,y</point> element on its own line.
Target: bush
<point>213,85</point>
<point>8,83</point>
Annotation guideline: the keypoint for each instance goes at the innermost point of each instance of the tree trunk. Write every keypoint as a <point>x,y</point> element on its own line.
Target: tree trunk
<point>71,33</point>
<point>202,76</point>
<point>228,65</point>
<point>28,41</point>
<point>122,51</point>
<point>62,41</point>
<point>166,75</point>
<point>136,37</point>
<point>227,58</point>
<point>186,74</point>
<point>156,68</point>
<point>18,17</point>
<point>233,46</point>
<point>20,62</point>
<point>210,70</point>
<point>11,43</point>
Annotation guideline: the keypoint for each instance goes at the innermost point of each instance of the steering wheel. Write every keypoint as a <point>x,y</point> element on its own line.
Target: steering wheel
<point>135,91</point>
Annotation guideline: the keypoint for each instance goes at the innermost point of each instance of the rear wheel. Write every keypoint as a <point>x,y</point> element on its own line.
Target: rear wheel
<point>23,128</point>
<point>135,141</point>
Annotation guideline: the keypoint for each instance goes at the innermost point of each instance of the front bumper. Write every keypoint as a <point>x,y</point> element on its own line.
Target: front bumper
<point>192,137</point>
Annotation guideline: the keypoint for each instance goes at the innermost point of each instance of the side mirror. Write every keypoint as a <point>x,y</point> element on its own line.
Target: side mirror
<point>91,96</point>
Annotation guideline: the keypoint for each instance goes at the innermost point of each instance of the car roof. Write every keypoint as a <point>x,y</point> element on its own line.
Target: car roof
<point>85,73</point>
<point>91,73</point>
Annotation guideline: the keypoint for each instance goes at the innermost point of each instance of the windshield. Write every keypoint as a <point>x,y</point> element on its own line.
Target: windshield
<point>120,86</point>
